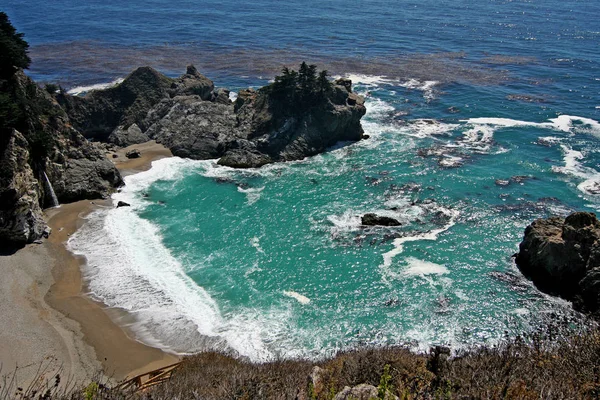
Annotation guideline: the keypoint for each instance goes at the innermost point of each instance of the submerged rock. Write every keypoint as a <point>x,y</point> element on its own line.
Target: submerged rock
<point>562,257</point>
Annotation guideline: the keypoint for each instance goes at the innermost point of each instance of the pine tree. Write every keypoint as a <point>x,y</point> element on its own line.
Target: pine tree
<point>13,49</point>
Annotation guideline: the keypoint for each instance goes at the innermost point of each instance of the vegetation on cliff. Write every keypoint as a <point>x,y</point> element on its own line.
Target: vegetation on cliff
<point>544,365</point>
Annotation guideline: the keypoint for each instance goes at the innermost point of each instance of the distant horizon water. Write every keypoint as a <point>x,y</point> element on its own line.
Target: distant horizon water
<point>481,117</point>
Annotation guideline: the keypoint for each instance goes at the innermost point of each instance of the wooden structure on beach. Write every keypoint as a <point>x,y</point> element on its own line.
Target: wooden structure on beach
<point>149,379</point>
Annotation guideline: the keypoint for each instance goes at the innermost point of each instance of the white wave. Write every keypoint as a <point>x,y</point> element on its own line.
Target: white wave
<point>252,194</point>
<point>233,95</point>
<point>399,243</point>
<point>566,123</point>
<point>301,298</point>
<point>422,128</point>
<point>562,123</point>
<point>348,221</point>
<point>574,167</point>
<point>448,161</point>
<point>165,169</point>
<point>479,138</point>
<point>370,80</point>
<point>79,90</point>
<point>422,267</point>
<point>377,108</point>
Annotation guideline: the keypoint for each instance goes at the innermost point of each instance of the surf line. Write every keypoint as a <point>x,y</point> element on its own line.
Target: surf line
<point>399,245</point>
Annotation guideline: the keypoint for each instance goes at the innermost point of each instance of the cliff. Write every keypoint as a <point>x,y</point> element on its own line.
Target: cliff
<point>562,258</point>
<point>40,149</point>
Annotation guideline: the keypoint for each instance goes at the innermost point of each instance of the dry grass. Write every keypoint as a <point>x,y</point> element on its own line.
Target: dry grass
<point>540,366</point>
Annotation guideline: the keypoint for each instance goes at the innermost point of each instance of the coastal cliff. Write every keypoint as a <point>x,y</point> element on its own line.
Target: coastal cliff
<point>44,160</point>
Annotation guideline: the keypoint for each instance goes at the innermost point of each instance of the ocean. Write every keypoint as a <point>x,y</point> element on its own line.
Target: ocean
<point>482,117</point>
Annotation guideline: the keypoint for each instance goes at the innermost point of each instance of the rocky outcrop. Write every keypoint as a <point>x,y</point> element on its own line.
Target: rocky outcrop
<point>296,130</point>
<point>194,121</point>
<point>20,213</point>
<point>110,114</point>
<point>562,257</point>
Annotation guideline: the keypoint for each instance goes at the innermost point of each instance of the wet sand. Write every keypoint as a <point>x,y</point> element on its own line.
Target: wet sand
<point>45,313</point>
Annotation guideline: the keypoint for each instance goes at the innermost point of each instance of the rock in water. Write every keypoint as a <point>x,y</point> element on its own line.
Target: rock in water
<point>123,204</point>
<point>374,219</point>
<point>562,257</point>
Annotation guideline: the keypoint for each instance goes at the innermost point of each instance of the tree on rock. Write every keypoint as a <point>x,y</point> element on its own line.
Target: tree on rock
<point>13,49</point>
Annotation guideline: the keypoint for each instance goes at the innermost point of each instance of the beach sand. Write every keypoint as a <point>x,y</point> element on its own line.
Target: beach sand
<point>46,316</point>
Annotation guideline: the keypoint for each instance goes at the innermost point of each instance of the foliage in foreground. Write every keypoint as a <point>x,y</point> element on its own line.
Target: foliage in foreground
<point>525,368</point>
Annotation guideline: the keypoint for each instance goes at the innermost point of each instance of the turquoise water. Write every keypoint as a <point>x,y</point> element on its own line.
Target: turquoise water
<point>281,266</point>
<point>482,116</point>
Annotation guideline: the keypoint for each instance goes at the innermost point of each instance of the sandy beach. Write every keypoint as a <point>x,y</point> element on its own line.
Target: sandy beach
<point>46,316</point>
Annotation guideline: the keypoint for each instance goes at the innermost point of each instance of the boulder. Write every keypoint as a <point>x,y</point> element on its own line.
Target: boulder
<point>134,153</point>
<point>562,257</point>
<point>122,204</point>
<point>371,219</point>
<point>193,83</point>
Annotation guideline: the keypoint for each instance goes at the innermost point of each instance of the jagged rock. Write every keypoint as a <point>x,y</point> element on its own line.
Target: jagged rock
<point>315,380</point>
<point>222,96</point>
<point>134,153</point>
<point>124,137</point>
<point>123,204</point>
<point>100,112</point>
<point>562,257</point>
<point>21,218</point>
<point>193,83</point>
<point>371,219</point>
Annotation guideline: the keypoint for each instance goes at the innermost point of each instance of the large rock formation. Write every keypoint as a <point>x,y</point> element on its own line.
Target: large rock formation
<point>44,151</point>
<point>562,257</point>
<point>194,121</point>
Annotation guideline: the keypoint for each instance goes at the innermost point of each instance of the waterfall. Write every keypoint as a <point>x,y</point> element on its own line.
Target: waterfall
<point>49,188</point>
